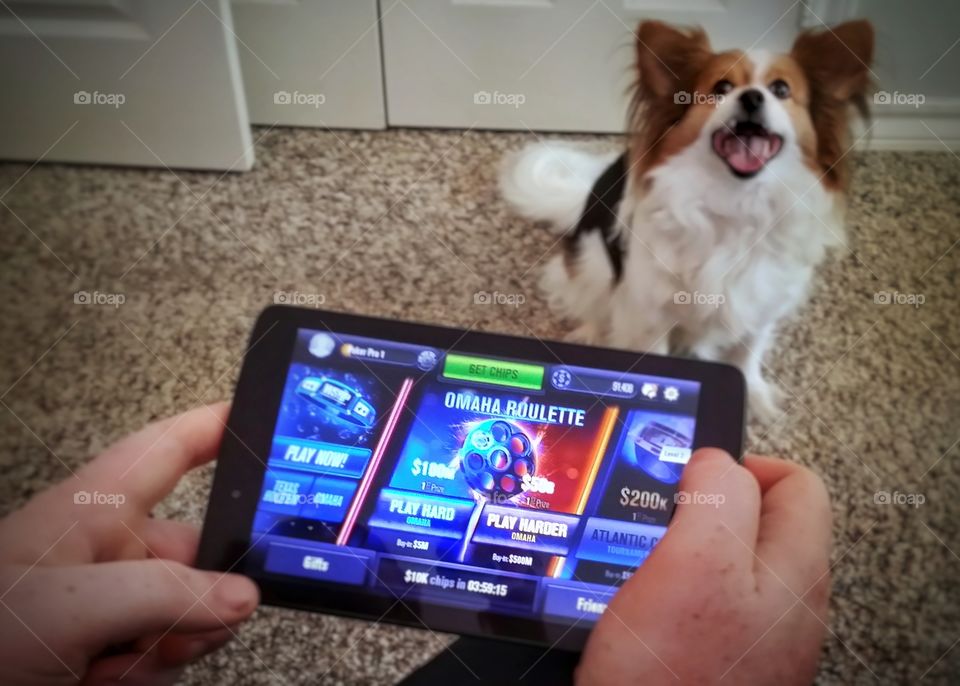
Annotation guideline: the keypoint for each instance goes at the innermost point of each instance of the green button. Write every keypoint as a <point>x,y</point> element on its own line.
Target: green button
<point>516,374</point>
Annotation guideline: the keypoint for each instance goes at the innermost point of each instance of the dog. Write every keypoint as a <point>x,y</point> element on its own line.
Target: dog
<point>705,233</point>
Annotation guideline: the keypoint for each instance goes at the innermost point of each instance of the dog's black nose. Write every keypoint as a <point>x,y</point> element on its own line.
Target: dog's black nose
<point>751,100</point>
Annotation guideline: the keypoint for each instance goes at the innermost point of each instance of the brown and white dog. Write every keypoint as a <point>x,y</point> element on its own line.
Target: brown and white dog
<point>706,232</point>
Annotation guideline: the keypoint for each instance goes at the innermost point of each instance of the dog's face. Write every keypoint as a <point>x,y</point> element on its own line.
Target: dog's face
<point>760,106</point>
<point>744,111</point>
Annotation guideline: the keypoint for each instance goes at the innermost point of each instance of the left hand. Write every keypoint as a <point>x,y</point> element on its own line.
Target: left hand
<point>93,589</point>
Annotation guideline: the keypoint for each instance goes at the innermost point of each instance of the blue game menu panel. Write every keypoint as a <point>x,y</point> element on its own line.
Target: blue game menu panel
<point>469,480</point>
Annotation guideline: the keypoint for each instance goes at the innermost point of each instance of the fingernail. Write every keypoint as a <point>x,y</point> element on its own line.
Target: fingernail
<point>237,592</point>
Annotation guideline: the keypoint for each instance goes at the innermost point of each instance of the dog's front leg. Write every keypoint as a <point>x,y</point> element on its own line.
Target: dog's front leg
<point>639,327</point>
<point>765,397</point>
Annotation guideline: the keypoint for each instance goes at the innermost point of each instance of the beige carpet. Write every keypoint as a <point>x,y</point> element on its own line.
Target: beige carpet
<point>408,224</point>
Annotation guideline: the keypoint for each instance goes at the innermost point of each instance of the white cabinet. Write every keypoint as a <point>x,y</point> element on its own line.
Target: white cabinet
<point>177,83</point>
<point>134,82</point>
<point>311,62</point>
<point>549,65</point>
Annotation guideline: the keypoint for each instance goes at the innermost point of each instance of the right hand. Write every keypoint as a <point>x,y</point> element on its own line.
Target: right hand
<point>737,590</point>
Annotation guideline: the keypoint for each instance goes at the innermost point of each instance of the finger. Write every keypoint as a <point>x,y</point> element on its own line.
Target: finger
<point>181,649</point>
<point>146,465</point>
<point>117,602</point>
<point>718,509</point>
<point>158,661</point>
<point>171,540</point>
<point>131,669</point>
<point>177,649</point>
<point>793,543</point>
<point>769,470</point>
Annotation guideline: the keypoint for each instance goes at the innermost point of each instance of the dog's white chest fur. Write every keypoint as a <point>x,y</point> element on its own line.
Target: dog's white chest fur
<point>732,262</point>
<point>712,263</point>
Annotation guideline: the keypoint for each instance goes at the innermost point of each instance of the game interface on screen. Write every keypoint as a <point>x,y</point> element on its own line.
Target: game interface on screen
<point>465,480</point>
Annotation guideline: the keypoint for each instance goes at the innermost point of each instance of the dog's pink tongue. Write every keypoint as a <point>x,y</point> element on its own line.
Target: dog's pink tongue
<point>746,154</point>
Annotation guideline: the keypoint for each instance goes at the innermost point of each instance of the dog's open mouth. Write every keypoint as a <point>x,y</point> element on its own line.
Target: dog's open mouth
<point>747,147</point>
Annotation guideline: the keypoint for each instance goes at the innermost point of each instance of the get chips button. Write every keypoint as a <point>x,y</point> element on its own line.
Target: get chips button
<point>497,372</point>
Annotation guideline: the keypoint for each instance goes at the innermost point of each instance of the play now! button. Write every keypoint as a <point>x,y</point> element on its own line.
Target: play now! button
<point>497,372</point>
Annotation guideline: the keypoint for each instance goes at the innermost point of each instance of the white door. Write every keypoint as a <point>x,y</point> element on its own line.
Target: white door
<point>311,63</point>
<point>138,82</point>
<point>561,65</point>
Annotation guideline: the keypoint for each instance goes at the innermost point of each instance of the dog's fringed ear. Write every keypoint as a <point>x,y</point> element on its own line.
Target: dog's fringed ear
<point>668,59</point>
<point>837,65</point>
<point>837,60</point>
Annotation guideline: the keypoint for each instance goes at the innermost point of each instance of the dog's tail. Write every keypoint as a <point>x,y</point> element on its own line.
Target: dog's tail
<point>551,181</point>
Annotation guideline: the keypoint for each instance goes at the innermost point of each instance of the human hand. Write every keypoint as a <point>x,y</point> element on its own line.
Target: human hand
<point>93,589</point>
<point>736,591</point>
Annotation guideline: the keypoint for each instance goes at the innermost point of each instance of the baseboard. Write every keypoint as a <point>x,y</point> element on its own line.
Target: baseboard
<point>910,122</point>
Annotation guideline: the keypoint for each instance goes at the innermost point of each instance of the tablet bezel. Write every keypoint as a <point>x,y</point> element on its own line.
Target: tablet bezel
<point>226,536</point>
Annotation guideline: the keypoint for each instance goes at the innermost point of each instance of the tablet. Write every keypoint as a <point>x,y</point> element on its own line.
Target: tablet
<point>460,481</point>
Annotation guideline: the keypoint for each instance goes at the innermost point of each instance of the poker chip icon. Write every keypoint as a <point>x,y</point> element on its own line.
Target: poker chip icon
<point>495,456</point>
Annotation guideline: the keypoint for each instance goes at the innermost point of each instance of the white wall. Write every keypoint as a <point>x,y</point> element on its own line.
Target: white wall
<point>917,64</point>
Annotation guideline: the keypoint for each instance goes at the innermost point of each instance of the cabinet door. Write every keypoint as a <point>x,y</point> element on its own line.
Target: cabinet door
<point>135,82</point>
<point>562,65</point>
<point>311,62</point>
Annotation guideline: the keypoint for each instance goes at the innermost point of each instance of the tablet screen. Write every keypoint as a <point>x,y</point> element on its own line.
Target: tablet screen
<point>475,481</point>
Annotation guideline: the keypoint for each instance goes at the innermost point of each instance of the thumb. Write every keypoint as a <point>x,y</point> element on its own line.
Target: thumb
<point>718,510</point>
<point>116,602</point>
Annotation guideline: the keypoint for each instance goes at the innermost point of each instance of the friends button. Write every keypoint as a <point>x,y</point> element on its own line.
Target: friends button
<point>581,603</point>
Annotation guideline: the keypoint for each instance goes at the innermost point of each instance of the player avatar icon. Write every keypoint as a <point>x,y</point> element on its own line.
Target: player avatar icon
<point>338,401</point>
<point>650,442</point>
<point>321,345</point>
<point>495,457</point>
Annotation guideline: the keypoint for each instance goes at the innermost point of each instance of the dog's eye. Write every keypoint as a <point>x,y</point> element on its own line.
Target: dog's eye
<point>780,89</point>
<point>722,87</point>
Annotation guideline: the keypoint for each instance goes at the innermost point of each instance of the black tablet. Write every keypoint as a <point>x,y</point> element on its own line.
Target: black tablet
<point>467,482</point>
